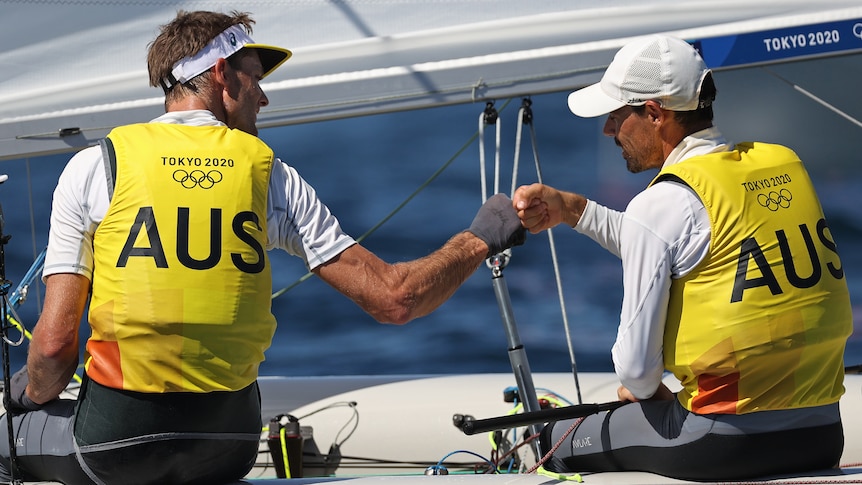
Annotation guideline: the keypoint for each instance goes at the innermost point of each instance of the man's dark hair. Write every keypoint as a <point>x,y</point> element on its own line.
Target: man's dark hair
<point>704,113</point>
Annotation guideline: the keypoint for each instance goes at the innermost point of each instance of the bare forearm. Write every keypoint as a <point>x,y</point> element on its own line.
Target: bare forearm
<point>53,355</point>
<point>398,293</point>
<point>433,279</point>
<point>49,376</point>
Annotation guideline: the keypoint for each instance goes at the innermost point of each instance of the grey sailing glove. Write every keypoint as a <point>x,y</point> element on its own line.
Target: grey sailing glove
<point>498,225</point>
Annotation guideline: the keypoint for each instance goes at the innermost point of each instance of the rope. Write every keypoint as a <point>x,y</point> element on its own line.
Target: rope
<point>4,350</point>
<point>33,233</point>
<point>489,117</point>
<point>525,116</point>
<point>13,318</point>
<point>816,99</point>
<point>555,447</point>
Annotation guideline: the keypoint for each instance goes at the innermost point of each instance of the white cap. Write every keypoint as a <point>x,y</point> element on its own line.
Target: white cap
<point>223,46</point>
<point>658,67</point>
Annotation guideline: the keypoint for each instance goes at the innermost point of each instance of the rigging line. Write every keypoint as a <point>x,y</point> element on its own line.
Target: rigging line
<point>489,117</point>
<point>815,98</point>
<point>525,116</point>
<point>482,183</point>
<point>497,159</point>
<point>396,210</point>
<point>33,232</point>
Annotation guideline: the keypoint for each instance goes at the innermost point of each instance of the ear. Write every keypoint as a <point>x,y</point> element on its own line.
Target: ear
<point>221,71</point>
<point>654,111</point>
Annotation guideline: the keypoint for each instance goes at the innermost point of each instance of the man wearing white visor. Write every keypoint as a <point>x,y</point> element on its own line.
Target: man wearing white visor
<point>732,283</point>
<point>165,227</point>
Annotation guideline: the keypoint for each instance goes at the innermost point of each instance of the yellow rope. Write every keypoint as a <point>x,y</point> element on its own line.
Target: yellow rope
<point>284,452</point>
<point>576,477</point>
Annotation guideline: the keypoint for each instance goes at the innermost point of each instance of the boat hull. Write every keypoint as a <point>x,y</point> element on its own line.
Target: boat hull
<point>405,424</point>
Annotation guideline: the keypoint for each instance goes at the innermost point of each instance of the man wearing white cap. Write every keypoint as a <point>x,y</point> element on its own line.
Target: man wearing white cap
<point>732,282</point>
<point>168,224</point>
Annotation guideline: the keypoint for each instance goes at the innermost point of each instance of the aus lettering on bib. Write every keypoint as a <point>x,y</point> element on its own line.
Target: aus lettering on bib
<point>752,253</point>
<point>146,221</point>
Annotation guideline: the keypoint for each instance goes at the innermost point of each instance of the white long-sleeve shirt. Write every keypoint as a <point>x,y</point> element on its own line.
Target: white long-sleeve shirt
<point>297,221</point>
<point>663,234</point>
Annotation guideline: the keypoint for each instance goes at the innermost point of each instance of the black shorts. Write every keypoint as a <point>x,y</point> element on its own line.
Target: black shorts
<point>113,436</point>
<point>663,437</point>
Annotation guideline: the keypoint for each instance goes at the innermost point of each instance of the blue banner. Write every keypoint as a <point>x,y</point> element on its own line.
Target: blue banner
<point>781,44</point>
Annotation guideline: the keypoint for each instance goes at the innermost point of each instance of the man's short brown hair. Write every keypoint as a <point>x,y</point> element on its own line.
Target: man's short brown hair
<point>185,36</point>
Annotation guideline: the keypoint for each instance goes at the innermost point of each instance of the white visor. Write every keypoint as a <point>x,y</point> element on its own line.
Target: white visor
<point>223,46</point>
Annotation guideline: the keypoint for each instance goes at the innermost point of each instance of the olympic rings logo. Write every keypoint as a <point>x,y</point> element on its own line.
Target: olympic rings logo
<point>775,200</point>
<point>198,178</point>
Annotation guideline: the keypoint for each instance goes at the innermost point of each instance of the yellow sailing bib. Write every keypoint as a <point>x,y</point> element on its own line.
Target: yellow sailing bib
<point>762,322</point>
<point>182,284</point>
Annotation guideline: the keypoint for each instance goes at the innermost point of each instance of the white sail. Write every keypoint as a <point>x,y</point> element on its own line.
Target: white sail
<point>72,70</point>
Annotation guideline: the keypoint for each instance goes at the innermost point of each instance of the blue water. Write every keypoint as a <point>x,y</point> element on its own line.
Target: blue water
<point>365,168</point>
